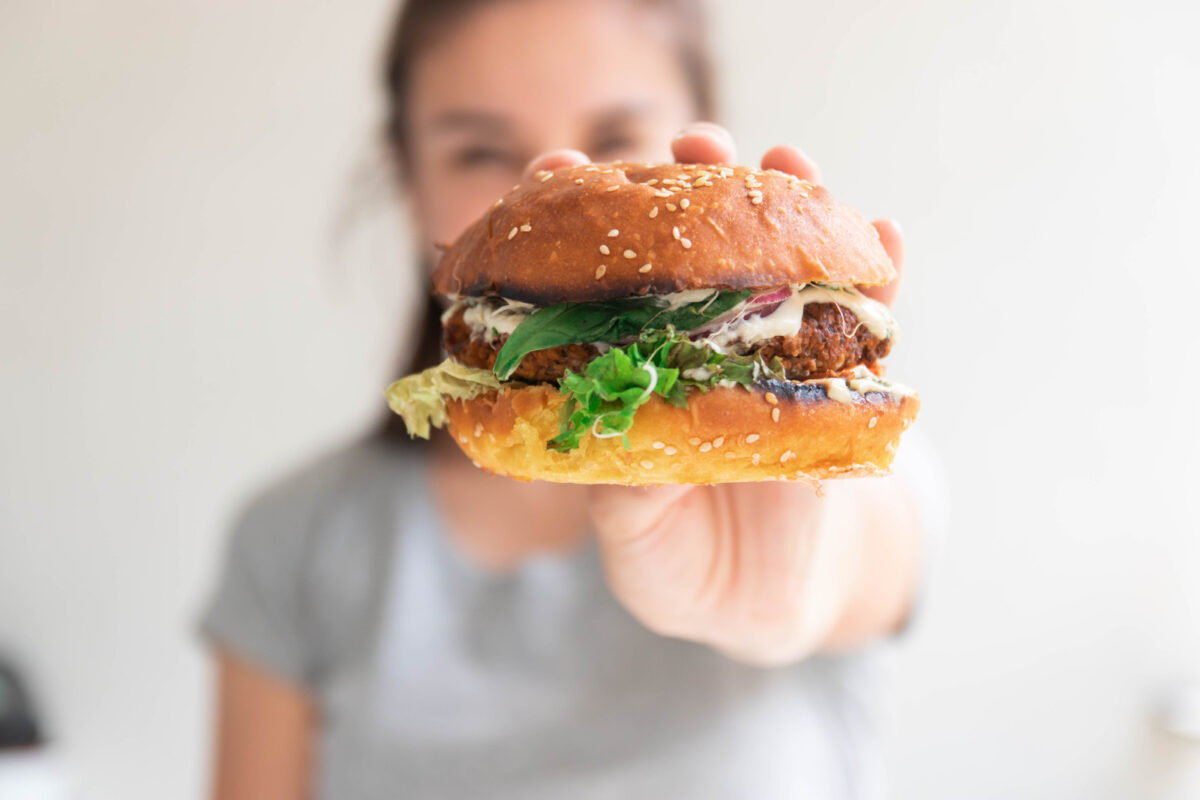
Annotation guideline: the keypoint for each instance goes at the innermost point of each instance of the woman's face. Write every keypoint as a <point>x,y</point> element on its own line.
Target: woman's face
<point>517,78</point>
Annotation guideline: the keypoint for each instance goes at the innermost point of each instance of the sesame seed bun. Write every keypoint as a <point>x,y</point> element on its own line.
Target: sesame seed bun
<point>598,232</point>
<point>727,435</point>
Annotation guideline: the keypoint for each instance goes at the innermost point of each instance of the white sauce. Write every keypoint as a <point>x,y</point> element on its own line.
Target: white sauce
<point>698,373</point>
<point>677,299</point>
<point>786,320</point>
<point>842,390</point>
<point>499,316</point>
<point>493,317</point>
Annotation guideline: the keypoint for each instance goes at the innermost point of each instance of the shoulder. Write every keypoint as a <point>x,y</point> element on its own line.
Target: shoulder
<point>333,514</point>
<point>359,472</point>
<point>309,552</point>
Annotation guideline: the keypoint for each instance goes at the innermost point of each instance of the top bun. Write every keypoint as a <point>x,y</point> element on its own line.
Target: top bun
<point>588,232</point>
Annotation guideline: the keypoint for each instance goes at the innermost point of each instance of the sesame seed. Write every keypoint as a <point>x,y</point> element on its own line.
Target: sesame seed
<point>515,187</point>
<point>478,429</point>
<point>704,448</point>
<point>499,203</point>
<point>772,399</point>
<point>874,421</point>
<point>645,267</point>
<point>775,414</point>
<point>684,203</point>
<point>752,438</point>
<point>672,207</point>
<point>675,232</point>
<point>670,450</point>
<point>658,445</point>
<point>462,439</point>
<point>717,442</point>
<point>754,459</point>
<point>686,243</point>
<point>654,212</point>
<point>629,254</point>
<point>652,181</point>
<point>613,188</point>
<point>544,175</point>
<point>647,465</point>
<point>600,271</point>
<point>755,193</point>
<point>695,440</point>
<point>614,233</point>
<point>662,193</point>
<point>756,201</point>
<point>591,169</point>
<point>604,249</point>
<point>513,232</point>
<point>787,456</point>
<point>578,181</point>
<point>526,228</point>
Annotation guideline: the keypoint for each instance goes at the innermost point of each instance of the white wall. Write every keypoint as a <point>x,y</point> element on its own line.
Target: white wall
<point>174,329</point>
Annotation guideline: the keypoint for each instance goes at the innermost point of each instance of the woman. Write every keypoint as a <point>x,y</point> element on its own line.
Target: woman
<point>393,622</point>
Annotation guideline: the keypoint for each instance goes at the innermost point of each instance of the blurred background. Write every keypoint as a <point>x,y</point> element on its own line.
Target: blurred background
<point>199,287</point>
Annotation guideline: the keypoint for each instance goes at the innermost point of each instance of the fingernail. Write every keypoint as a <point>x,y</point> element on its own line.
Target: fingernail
<point>703,126</point>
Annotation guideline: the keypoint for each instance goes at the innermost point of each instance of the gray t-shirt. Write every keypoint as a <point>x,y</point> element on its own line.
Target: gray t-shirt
<point>437,679</point>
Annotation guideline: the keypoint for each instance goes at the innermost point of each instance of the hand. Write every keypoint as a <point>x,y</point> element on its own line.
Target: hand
<point>767,572</point>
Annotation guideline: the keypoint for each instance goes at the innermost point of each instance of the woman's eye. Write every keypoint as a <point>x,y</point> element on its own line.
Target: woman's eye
<point>605,148</point>
<point>481,156</point>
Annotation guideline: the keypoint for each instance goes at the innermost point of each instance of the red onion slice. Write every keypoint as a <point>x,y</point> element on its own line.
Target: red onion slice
<point>756,305</point>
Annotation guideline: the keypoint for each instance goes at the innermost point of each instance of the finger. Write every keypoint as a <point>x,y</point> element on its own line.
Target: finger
<point>704,143</point>
<point>791,160</point>
<point>553,160</point>
<point>621,514</point>
<point>892,239</point>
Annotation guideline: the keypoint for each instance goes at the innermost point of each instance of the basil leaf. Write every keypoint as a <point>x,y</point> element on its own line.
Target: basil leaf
<point>608,321</point>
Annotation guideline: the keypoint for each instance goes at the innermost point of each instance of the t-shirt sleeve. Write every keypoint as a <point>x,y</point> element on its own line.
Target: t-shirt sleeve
<point>258,610</point>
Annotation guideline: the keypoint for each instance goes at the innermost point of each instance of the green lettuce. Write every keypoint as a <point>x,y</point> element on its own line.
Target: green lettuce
<point>609,321</point>
<point>420,399</point>
<point>604,398</point>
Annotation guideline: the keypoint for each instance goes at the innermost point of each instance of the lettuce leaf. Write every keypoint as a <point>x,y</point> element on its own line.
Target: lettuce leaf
<point>610,321</point>
<point>420,399</point>
<point>603,399</point>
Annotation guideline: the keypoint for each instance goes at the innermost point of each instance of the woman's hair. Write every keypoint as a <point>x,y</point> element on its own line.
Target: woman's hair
<point>417,25</point>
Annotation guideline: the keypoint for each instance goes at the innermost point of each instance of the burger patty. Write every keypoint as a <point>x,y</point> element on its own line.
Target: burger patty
<point>829,341</point>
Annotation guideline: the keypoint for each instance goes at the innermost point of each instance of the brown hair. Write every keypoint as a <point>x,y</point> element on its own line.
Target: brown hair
<point>417,24</point>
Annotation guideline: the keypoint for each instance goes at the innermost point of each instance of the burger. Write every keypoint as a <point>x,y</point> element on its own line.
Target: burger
<point>664,323</point>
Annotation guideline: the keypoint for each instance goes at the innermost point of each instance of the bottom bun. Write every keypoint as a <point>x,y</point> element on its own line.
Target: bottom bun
<point>781,430</point>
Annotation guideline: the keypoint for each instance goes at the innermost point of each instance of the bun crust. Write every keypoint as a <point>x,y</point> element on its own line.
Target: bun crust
<point>726,435</point>
<point>738,228</point>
